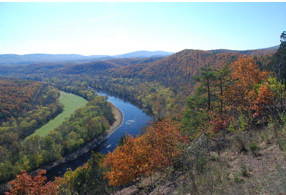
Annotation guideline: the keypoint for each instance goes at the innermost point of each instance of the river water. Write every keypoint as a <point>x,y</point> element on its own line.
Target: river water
<point>134,120</point>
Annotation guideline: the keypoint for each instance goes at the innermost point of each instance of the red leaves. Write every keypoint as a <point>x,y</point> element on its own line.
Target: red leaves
<point>143,155</point>
<point>24,184</point>
<point>219,122</point>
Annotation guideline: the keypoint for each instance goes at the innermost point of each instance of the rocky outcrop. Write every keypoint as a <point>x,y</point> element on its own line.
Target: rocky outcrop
<point>132,190</point>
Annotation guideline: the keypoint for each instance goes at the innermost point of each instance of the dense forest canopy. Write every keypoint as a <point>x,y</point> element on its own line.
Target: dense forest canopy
<point>26,106</point>
<point>17,97</point>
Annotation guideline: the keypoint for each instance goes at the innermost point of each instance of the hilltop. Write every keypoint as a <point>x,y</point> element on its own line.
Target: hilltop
<point>16,60</point>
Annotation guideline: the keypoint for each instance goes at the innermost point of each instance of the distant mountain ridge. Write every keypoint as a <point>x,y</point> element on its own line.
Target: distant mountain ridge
<point>27,59</point>
<point>144,54</point>
<point>182,65</point>
<point>262,51</point>
<point>100,65</point>
<point>14,59</point>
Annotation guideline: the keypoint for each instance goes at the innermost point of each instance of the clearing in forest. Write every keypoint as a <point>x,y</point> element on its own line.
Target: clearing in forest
<point>70,104</point>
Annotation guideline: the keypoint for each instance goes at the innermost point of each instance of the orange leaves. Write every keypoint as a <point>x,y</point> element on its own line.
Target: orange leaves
<point>247,71</point>
<point>143,155</point>
<point>26,185</point>
<point>15,97</point>
<point>250,93</point>
<point>127,162</point>
<point>246,75</point>
<point>164,138</point>
<point>21,185</point>
<point>264,99</point>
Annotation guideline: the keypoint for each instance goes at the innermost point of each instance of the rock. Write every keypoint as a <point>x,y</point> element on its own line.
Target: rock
<point>148,181</point>
<point>166,189</point>
<point>132,190</point>
<point>214,155</point>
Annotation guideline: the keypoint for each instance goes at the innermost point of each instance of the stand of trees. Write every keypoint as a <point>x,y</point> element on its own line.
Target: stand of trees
<point>17,151</point>
<point>25,106</point>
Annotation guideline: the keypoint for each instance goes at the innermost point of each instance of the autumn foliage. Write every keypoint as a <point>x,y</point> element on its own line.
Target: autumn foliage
<point>15,97</point>
<point>246,76</point>
<point>263,102</point>
<point>25,184</point>
<point>250,93</point>
<point>219,122</point>
<point>225,94</point>
<point>143,155</point>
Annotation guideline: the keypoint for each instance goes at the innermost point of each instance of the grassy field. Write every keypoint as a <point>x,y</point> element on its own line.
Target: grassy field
<point>71,103</point>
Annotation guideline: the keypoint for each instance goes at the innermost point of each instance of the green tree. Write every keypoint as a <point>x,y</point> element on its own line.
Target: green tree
<point>206,80</point>
<point>222,82</point>
<point>279,60</point>
<point>84,180</point>
<point>195,116</point>
<point>200,103</point>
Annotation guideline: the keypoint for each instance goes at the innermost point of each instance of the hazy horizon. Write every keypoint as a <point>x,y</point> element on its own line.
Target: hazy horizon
<point>130,52</point>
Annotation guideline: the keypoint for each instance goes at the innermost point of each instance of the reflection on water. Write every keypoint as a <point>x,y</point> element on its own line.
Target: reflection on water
<point>129,122</point>
<point>134,120</point>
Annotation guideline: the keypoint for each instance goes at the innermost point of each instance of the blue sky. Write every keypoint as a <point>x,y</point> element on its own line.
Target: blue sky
<point>113,28</point>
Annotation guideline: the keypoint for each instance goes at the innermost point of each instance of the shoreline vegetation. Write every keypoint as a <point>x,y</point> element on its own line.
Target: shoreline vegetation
<point>119,119</point>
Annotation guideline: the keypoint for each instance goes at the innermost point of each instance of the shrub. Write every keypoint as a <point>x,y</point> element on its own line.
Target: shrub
<point>244,170</point>
<point>253,148</point>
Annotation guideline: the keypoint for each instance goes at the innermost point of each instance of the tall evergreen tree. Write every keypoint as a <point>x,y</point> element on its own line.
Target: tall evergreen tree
<point>279,60</point>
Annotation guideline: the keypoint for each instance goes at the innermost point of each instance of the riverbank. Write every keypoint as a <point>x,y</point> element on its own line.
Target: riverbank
<point>119,118</point>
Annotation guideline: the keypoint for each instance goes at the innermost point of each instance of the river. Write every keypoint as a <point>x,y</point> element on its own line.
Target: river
<point>133,121</point>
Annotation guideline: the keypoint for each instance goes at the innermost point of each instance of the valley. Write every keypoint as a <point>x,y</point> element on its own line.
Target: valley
<point>166,117</point>
<point>142,98</point>
<point>130,120</point>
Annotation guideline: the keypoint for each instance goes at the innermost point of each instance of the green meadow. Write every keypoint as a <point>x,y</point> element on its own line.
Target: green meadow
<point>70,104</point>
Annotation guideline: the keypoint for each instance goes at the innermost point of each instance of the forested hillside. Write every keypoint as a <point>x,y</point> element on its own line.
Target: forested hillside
<point>13,100</point>
<point>200,100</point>
<point>26,106</point>
<point>158,85</point>
<point>177,70</point>
<point>224,142</point>
<point>143,98</point>
<point>90,68</point>
<point>162,86</point>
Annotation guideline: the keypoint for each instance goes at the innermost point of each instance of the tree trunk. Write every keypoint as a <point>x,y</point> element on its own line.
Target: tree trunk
<point>209,95</point>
